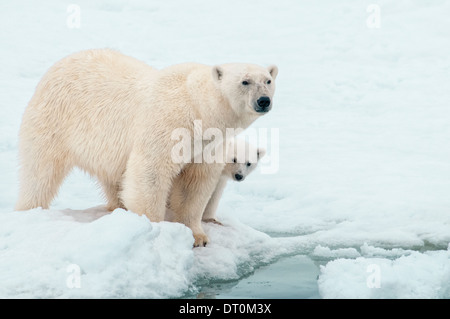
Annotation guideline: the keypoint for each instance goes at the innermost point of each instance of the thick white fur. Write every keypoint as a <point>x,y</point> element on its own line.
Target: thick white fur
<point>112,116</point>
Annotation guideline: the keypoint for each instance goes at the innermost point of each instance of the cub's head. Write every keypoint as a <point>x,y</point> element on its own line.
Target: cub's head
<point>249,88</point>
<point>242,159</point>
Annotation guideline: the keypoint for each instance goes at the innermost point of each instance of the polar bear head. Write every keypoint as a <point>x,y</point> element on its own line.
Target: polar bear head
<point>249,88</point>
<point>241,159</point>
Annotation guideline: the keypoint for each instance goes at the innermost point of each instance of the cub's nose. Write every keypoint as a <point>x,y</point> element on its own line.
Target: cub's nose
<point>263,101</point>
<point>238,177</point>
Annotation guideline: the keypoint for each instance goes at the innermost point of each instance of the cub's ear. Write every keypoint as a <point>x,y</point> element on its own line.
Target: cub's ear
<point>260,153</point>
<point>273,70</point>
<point>217,73</point>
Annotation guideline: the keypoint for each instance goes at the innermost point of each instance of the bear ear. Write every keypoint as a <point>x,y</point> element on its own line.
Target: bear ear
<point>217,73</point>
<point>273,70</point>
<point>260,152</point>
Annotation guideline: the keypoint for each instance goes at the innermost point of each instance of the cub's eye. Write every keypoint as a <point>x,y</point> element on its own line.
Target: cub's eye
<point>269,81</point>
<point>245,83</point>
<point>234,160</point>
<point>249,164</point>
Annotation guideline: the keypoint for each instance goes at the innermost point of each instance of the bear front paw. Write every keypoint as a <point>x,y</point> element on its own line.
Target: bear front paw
<point>200,240</point>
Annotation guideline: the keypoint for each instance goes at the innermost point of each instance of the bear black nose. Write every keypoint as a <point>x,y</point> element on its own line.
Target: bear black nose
<point>238,177</point>
<point>263,101</point>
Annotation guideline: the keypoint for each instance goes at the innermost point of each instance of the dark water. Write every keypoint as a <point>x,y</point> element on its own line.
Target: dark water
<point>289,278</point>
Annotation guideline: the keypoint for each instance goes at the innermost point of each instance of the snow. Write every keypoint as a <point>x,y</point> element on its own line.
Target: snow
<point>119,255</point>
<point>364,156</point>
<point>418,275</point>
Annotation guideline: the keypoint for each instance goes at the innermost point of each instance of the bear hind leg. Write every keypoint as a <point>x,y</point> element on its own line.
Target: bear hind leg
<point>39,183</point>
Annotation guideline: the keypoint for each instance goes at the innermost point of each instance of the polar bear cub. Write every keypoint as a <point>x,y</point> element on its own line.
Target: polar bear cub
<point>241,159</point>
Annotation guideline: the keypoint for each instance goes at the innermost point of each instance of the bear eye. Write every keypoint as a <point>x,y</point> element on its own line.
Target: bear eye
<point>245,83</point>
<point>234,160</point>
<point>249,164</point>
<point>269,81</point>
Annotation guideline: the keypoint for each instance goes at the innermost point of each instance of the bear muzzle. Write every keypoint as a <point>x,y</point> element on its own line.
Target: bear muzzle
<point>263,104</point>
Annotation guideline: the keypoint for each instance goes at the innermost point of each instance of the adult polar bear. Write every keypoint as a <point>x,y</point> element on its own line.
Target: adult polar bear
<point>112,116</point>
